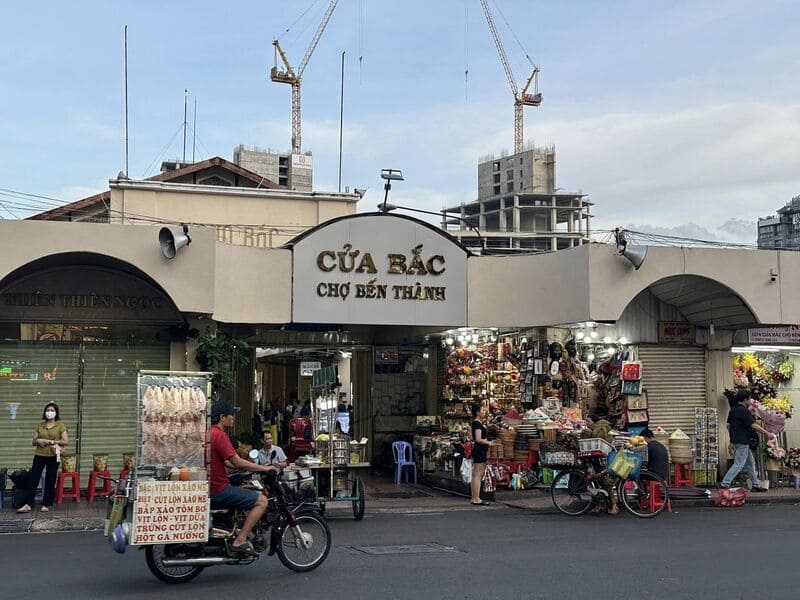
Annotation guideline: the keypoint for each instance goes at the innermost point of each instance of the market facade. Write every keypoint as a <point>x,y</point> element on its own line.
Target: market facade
<point>385,298</point>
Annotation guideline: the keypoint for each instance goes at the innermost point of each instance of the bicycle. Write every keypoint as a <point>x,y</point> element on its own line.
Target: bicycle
<point>575,490</point>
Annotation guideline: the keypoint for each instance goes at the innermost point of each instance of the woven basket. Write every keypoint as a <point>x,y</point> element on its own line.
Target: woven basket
<point>69,463</point>
<point>128,459</point>
<point>680,451</point>
<point>663,439</point>
<point>100,462</point>
<point>549,435</point>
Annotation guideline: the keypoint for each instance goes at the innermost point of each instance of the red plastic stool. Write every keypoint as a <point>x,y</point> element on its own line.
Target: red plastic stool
<point>75,488</point>
<point>656,499</point>
<point>103,491</point>
<point>682,475</point>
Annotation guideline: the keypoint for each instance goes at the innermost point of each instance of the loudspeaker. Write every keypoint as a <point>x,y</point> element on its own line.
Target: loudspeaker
<point>635,254</point>
<point>172,240</point>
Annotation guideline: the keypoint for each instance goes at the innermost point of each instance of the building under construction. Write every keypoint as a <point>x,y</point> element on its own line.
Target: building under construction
<point>519,207</point>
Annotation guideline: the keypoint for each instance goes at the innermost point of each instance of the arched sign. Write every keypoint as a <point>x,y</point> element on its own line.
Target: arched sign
<point>377,269</point>
<point>85,294</point>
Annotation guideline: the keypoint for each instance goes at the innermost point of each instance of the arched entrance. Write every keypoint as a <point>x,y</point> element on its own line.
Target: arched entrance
<point>75,329</point>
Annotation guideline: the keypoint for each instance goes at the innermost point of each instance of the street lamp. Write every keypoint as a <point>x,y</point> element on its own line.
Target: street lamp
<point>454,219</point>
<point>390,175</point>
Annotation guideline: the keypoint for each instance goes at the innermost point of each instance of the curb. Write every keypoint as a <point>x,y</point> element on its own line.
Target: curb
<point>66,524</point>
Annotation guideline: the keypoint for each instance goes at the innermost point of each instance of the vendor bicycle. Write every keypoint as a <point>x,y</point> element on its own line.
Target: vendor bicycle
<point>577,489</point>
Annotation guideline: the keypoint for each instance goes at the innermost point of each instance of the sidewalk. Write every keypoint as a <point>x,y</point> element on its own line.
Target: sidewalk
<point>383,497</point>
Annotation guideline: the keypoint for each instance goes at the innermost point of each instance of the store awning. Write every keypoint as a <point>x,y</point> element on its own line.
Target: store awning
<point>703,301</point>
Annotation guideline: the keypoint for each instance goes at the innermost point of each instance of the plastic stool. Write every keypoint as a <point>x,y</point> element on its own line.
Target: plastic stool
<point>656,500</point>
<point>124,474</point>
<point>73,492</point>
<point>103,491</point>
<point>682,475</point>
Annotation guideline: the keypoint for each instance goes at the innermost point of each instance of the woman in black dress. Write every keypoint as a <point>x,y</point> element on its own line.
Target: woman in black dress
<point>480,451</point>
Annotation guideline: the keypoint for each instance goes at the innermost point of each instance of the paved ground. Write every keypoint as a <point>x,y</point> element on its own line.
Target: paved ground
<point>480,553</point>
<point>383,497</point>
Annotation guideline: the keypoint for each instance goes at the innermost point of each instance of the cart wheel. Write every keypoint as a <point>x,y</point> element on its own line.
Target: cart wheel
<point>358,503</point>
<point>322,508</point>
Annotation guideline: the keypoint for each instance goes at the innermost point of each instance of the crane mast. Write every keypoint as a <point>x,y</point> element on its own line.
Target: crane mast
<point>293,78</point>
<point>521,96</point>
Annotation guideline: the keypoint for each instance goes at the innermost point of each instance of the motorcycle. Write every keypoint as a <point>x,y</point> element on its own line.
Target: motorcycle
<point>294,530</point>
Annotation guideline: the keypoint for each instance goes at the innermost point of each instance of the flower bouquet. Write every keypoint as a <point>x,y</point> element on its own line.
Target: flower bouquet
<point>774,450</point>
<point>793,458</point>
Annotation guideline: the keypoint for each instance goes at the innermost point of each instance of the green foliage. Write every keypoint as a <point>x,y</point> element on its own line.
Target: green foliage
<point>222,355</point>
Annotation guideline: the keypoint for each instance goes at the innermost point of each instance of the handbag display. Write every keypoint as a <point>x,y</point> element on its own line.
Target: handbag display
<point>631,370</point>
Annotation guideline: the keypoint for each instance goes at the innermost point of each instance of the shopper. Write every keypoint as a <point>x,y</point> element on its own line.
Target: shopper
<point>50,439</point>
<point>741,425</point>
<point>657,456</point>
<point>480,450</point>
<point>306,410</point>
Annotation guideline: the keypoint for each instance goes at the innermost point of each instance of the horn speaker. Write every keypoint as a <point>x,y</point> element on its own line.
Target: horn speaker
<point>635,255</point>
<point>172,240</point>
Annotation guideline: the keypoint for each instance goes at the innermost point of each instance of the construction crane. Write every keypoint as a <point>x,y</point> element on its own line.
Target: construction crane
<point>521,96</point>
<point>293,77</point>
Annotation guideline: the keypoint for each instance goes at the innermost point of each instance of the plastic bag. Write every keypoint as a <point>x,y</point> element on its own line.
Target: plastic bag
<point>731,497</point>
<point>624,464</point>
<point>466,470</point>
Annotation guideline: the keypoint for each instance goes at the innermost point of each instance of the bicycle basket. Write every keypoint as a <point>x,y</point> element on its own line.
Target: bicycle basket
<point>625,464</point>
<point>593,447</point>
<point>562,458</point>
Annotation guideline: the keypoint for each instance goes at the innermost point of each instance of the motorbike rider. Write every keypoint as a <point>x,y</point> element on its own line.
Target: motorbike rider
<point>222,492</point>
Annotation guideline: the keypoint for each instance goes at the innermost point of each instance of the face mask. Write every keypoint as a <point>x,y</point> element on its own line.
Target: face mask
<point>50,414</point>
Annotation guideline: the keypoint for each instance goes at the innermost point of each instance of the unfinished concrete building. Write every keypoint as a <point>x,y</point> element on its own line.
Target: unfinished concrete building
<point>290,171</point>
<point>519,207</point>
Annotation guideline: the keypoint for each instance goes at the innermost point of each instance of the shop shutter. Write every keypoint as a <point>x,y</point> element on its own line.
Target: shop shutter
<point>108,400</point>
<point>675,380</point>
<point>22,399</point>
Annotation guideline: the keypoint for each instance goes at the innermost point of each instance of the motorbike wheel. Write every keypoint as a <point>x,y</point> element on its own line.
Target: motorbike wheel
<point>292,552</point>
<point>154,556</point>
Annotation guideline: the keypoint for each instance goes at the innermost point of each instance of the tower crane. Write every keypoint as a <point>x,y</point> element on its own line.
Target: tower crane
<point>521,96</point>
<point>293,77</point>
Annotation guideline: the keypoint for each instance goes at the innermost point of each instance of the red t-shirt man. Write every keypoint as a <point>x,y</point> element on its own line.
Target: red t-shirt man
<point>222,492</point>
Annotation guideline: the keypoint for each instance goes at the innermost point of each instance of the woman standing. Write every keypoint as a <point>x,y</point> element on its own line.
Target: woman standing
<point>50,439</point>
<point>480,450</point>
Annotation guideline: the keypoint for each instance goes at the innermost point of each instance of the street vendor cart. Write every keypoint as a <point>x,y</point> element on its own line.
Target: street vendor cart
<point>338,458</point>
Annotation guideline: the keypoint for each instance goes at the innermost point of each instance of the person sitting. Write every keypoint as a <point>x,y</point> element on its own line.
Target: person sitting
<point>222,492</point>
<point>657,456</point>
<point>269,454</point>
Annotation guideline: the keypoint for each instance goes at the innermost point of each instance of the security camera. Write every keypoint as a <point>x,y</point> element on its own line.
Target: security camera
<point>773,274</point>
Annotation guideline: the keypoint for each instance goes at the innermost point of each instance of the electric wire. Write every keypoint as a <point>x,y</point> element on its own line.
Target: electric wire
<point>163,152</point>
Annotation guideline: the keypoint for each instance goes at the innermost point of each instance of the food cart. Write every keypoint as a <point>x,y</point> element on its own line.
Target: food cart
<point>168,488</point>
<point>339,459</point>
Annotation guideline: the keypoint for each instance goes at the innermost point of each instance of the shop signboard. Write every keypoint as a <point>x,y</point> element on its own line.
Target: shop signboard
<point>379,269</point>
<point>386,355</point>
<point>302,161</point>
<point>676,332</point>
<point>307,367</point>
<point>170,511</point>
<point>784,334</point>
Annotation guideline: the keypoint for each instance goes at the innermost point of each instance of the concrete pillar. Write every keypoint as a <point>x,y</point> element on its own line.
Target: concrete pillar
<point>503,226</point>
<point>516,215</point>
<point>482,217</point>
<point>719,376</point>
<point>553,224</point>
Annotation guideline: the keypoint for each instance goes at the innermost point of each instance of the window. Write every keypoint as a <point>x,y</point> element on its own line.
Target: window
<point>510,186</point>
<point>497,177</point>
<point>496,166</point>
<point>520,173</point>
<point>496,190</point>
<point>509,174</point>
<point>520,160</point>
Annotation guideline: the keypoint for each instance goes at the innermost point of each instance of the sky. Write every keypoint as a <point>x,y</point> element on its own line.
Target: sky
<point>676,117</point>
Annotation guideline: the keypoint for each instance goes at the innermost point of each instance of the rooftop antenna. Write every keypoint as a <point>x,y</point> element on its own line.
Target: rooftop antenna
<point>341,121</point>
<point>194,128</point>
<point>126,101</point>
<point>185,100</point>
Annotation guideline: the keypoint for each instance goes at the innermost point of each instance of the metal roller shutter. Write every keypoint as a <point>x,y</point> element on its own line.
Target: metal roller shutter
<point>675,380</point>
<point>27,383</point>
<point>109,400</point>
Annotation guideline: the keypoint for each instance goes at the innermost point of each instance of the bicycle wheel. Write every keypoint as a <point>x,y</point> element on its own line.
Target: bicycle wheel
<point>572,492</point>
<point>646,496</point>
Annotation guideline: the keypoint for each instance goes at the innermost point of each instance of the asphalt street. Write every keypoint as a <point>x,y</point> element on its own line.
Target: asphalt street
<point>480,553</point>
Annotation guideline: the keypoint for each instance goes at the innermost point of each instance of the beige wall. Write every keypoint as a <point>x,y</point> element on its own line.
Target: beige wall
<point>253,285</point>
<point>188,279</point>
<point>260,218</point>
<point>528,291</point>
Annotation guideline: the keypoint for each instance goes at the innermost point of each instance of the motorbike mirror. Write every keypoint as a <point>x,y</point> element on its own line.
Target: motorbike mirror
<point>253,454</point>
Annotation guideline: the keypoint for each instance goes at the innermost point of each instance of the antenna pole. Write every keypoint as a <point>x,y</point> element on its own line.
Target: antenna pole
<point>126,101</point>
<point>185,100</point>
<point>194,128</point>
<point>341,121</point>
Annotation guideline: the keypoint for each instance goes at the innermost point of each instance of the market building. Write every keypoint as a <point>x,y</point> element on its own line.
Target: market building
<point>84,306</point>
